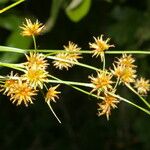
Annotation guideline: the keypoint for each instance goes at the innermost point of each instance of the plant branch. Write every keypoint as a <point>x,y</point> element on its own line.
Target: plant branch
<point>11,6</point>
<point>146,103</point>
<point>17,50</point>
<point>133,104</point>
<point>72,62</point>
<point>13,66</point>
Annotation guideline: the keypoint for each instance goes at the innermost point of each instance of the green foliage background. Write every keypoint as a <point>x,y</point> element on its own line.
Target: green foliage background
<point>127,22</point>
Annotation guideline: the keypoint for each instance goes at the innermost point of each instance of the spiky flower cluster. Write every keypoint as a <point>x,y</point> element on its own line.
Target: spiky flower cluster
<point>69,58</point>
<point>18,90</point>
<point>31,29</point>
<point>106,82</point>
<point>101,83</point>
<point>107,104</point>
<point>22,88</point>
<point>124,69</point>
<point>142,85</point>
<point>52,94</point>
<point>35,73</point>
<point>35,70</point>
<point>100,46</point>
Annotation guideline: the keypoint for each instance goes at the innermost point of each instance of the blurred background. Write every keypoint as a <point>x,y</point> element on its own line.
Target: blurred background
<point>127,23</point>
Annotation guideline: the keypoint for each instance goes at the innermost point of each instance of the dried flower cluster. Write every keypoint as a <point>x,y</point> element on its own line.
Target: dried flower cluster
<point>22,88</point>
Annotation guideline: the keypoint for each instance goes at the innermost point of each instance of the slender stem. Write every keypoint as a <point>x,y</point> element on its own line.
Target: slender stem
<point>104,62</point>
<point>13,66</point>
<point>85,92</point>
<point>50,54</point>
<point>48,103</point>
<point>11,6</point>
<point>128,52</point>
<point>17,50</point>
<point>70,82</point>
<point>146,103</point>
<point>12,49</point>
<point>72,62</point>
<point>34,41</point>
<point>133,104</point>
<point>116,84</point>
<point>77,88</point>
<point>106,52</point>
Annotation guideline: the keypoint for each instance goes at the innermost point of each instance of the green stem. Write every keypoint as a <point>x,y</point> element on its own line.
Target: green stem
<point>17,50</point>
<point>13,66</point>
<point>57,80</point>
<point>88,93</point>
<point>11,49</point>
<point>85,92</point>
<point>34,41</point>
<point>49,105</point>
<point>104,63</point>
<point>72,62</point>
<point>146,103</point>
<point>128,52</point>
<point>106,52</point>
<point>133,104</point>
<point>11,6</point>
<point>116,84</point>
<point>70,82</point>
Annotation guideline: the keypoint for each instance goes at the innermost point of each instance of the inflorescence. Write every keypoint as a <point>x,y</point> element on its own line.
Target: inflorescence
<point>104,83</point>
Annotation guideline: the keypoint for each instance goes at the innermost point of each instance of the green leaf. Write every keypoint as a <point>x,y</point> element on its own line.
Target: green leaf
<point>10,22</point>
<point>78,9</point>
<point>17,40</point>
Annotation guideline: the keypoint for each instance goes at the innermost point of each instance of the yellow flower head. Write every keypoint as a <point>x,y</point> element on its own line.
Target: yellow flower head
<point>125,74</point>
<point>22,92</point>
<point>31,29</point>
<point>72,47</point>
<point>109,102</point>
<point>9,86</point>
<point>74,51</point>
<point>36,60</point>
<point>102,82</point>
<point>100,46</point>
<point>36,77</point>
<point>19,91</point>
<point>52,94</point>
<point>67,59</point>
<point>61,64</point>
<point>142,86</point>
<point>126,61</point>
<point>9,83</point>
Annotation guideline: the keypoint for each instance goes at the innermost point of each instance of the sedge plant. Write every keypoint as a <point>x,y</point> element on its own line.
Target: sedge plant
<point>23,88</point>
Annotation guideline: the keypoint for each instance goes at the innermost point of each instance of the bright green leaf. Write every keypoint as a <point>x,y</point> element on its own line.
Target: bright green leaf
<point>16,40</point>
<point>78,9</point>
